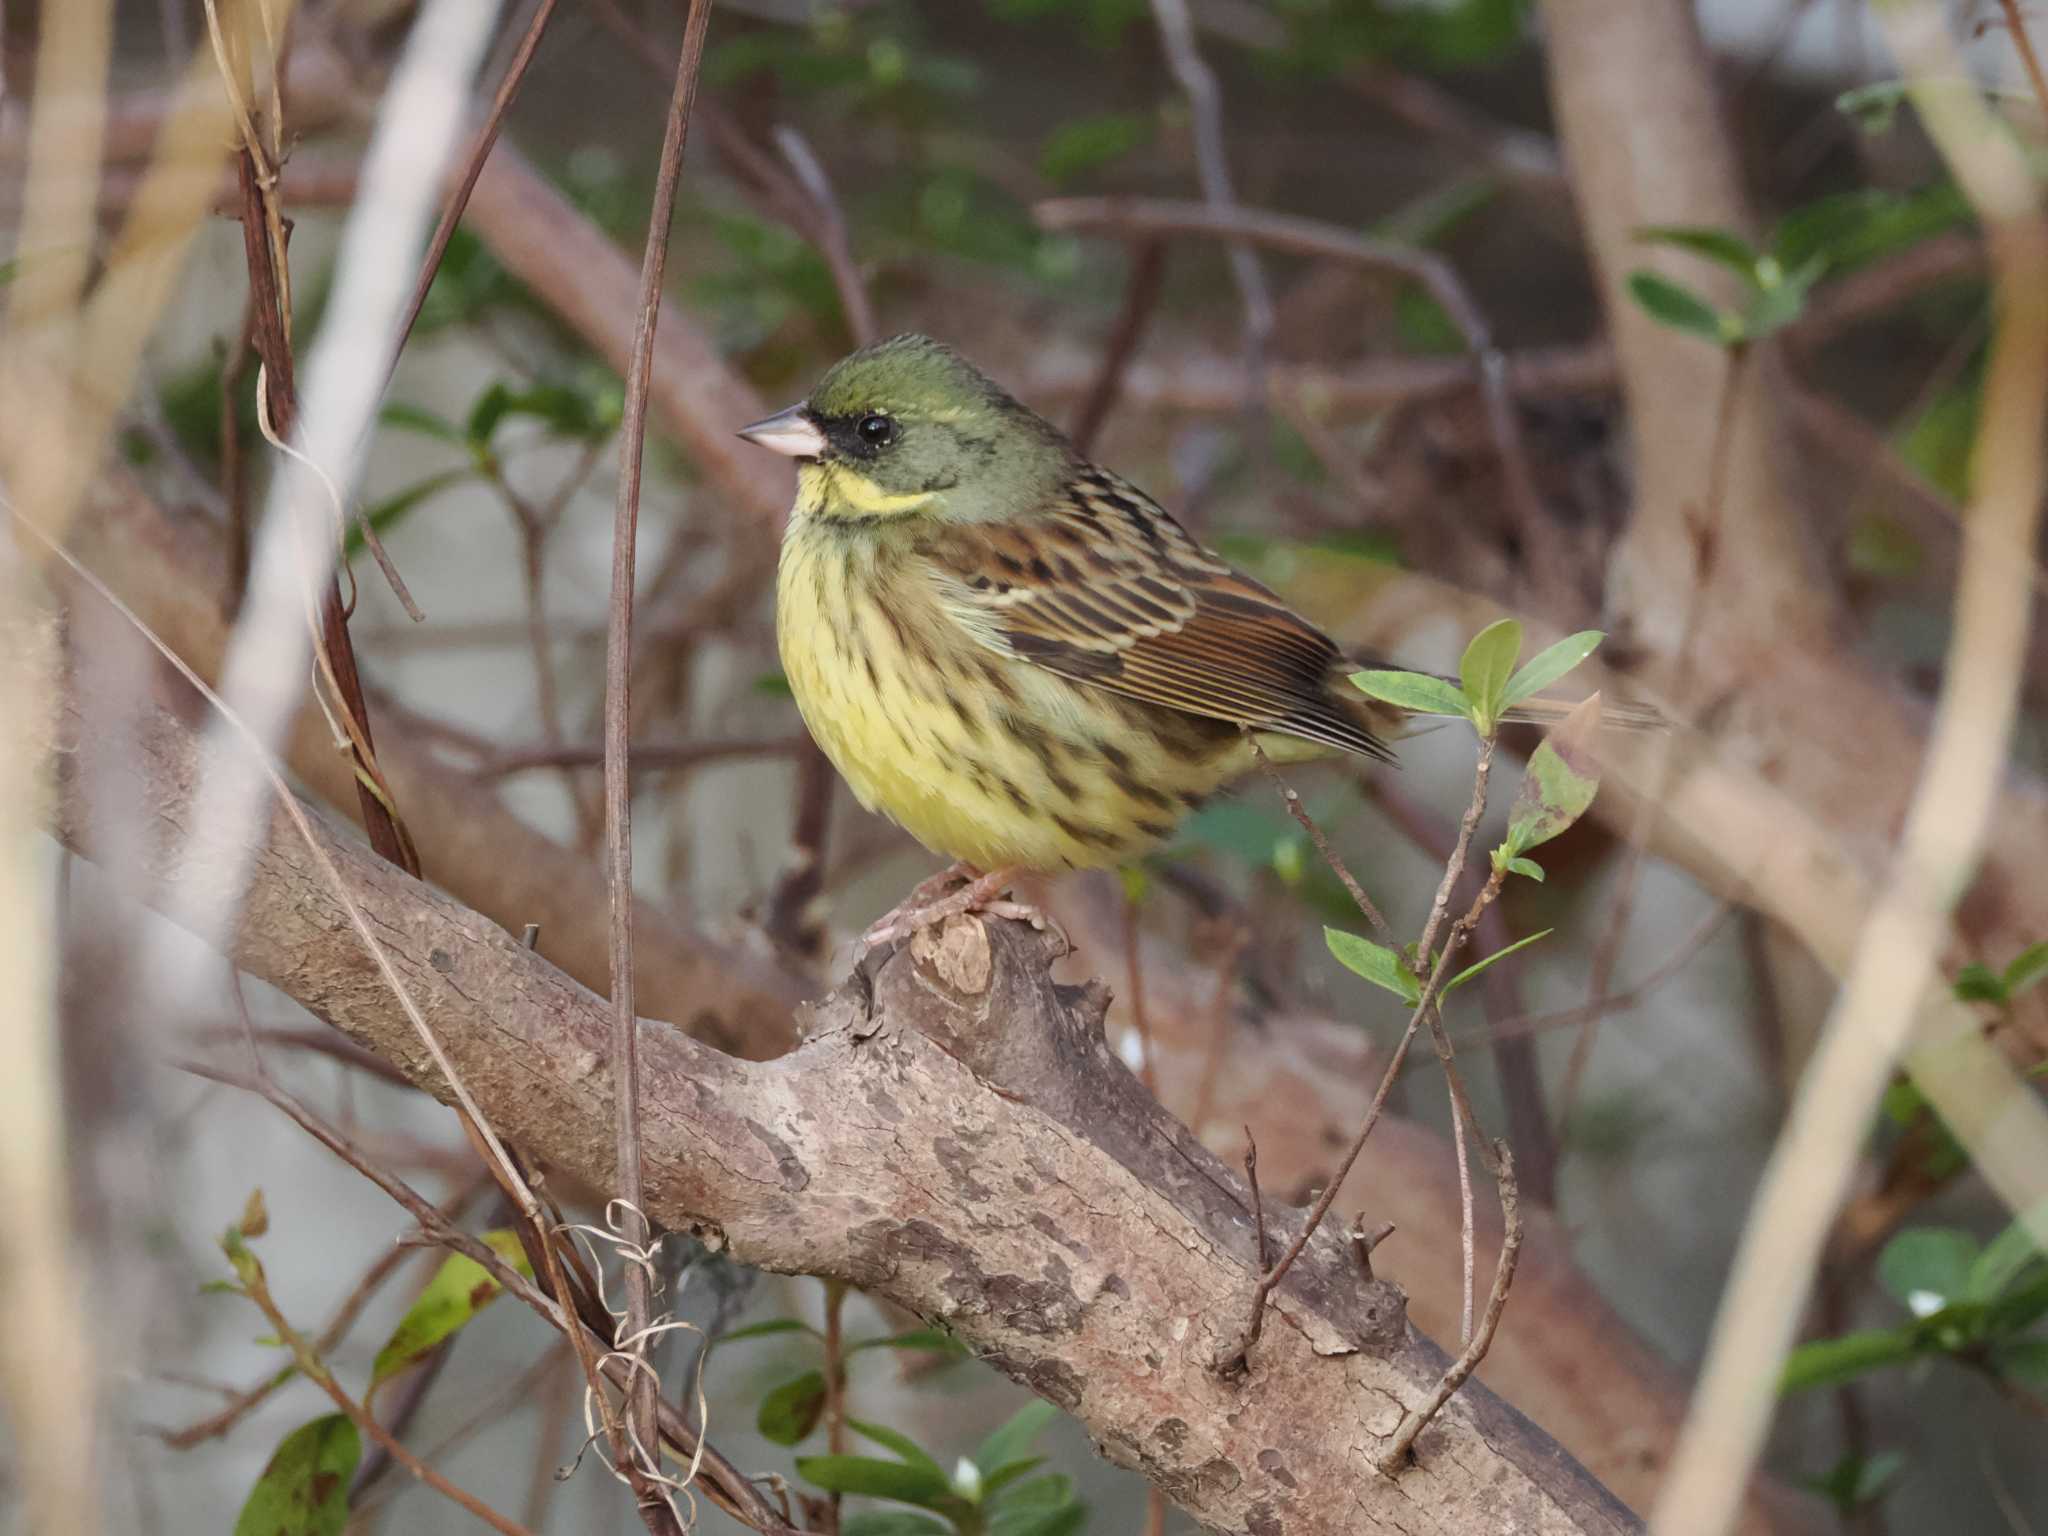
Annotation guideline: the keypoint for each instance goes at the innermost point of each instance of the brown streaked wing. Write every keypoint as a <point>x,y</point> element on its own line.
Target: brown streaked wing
<point>1106,588</point>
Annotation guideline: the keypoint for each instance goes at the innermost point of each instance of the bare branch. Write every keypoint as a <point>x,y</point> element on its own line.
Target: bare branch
<point>618,800</point>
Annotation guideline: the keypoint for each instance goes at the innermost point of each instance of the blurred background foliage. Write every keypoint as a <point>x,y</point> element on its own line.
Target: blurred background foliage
<point>1914,1405</point>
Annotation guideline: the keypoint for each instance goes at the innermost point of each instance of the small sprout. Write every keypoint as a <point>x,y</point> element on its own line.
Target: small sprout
<point>967,1479</point>
<point>1484,671</point>
<point>1290,860</point>
<point>255,1215</point>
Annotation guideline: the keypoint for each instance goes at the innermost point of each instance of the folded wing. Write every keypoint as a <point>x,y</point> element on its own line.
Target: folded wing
<point>1108,589</point>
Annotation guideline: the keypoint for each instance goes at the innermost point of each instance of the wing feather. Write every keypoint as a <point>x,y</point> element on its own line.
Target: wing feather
<point>1106,588</point>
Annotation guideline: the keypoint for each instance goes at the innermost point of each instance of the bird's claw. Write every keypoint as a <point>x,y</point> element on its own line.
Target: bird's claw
<point>982,894</point>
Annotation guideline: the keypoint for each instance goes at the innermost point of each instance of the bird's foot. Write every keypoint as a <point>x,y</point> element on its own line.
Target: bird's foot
<point>924,908</point>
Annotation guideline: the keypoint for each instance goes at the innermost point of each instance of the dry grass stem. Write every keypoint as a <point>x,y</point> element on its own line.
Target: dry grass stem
<point>1893,982</point>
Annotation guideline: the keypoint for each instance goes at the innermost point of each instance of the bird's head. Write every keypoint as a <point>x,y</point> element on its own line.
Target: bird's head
<point>909,428</point>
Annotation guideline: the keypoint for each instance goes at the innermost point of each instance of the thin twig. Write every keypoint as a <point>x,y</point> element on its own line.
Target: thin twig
<point>1232,1360</point>
<point>736,1493</point>
<point>1707,536</point>
<point>828,233</point>
<point>1684,954</point>
<point>1141,298</point>
<point>2016,24</point>
<point>1133,218</point>
<point>1515,1060</point>
<point>1467,1235</point>
<point>792,915</point>
<point>1251,1177</point>
<point>1328,854</point>
<point>235,726</point>
<point>618,810</point>
<point>1212,165</point>
<point>473,167</point>
<point>499,1403</point>
<point>652,756</point>
<point>1417,1419</point>
<point>359,1295</point>
<point>311,1365</point>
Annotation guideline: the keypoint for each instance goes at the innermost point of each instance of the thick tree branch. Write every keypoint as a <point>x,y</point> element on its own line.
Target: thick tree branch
<point>172,568</point>
<point>962,1142</point>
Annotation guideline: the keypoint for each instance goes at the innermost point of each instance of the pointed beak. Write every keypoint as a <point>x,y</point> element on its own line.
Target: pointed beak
<point>790,432</point>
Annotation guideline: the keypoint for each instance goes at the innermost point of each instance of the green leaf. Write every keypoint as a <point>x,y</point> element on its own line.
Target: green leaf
<point>1830,1362</point>
<point>1484,670</point>
<point>2024,1362</point>
<point>1061,1520</point>
<point>1416,691</point>
<point>1012,1440</point>
<point>1528,867</point>
<point>1873,108</point>
<point>1722,246</point>
<point>1851,229</point>
<point>892,1522</point>
<point>564,409</point>
<point>1856,1481</point>
<point>935,1339</point>
<point>460,1289</point>
<point>1938,442</point>
<point>1500,954</point>
<point>417,418</point>
<point>2028,970</point>
<point>2005,1258</point>
<point>1047,1492</point>
<point>1559,782</point>
<point>2020,1307</point>
<point>877,1479</point>
<point>1552,663</point>
<point>1008,1473</point>
<point>791,1411</point>
<point>774,1325</point>
<point>304,1489</point>
<point>895,1440</point>
<point>1682,309</point>
<point>1979,984</point>
<point>1088,143</point>
<point>1780,297</point>
<point>1926,1268</point>
<point>1375,962</point>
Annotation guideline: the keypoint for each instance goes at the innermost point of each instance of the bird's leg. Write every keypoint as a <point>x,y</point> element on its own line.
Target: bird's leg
<point>982,893</point>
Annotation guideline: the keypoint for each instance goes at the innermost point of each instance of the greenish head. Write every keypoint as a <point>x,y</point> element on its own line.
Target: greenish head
<point>908,427</point>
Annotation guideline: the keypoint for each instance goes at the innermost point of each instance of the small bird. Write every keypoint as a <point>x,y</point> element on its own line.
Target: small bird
<point>1013,653</point>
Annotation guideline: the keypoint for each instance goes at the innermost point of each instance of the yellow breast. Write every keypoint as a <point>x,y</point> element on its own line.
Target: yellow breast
<point>978,756</point>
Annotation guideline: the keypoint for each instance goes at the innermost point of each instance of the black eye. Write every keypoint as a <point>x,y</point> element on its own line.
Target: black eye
<point>876,430</point>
